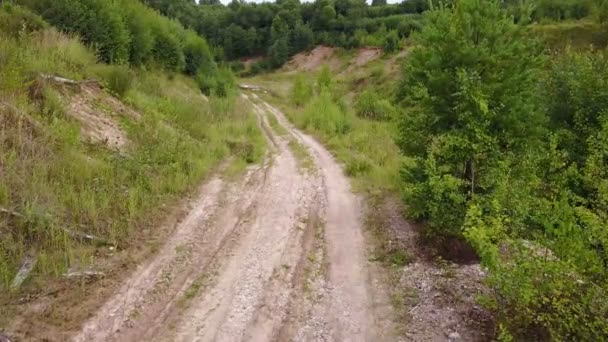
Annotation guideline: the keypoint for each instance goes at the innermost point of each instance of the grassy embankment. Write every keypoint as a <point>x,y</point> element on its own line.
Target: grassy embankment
<point>52,179</point>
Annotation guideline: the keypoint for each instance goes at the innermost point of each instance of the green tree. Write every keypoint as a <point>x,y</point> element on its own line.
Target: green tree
<point>301,38</point>
<point>391,41</point>
<point>196,53</point>
<point>142,41</point>
<point>301,91</point>
<point>469,94</point>
<point>378,2</point>
<point>167,49</point>
<point>324,79</point>
<point>279,52</point>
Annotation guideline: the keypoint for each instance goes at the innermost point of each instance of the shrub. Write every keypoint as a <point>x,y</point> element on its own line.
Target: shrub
<point>391,42</point>
<point>406,27</point>
<point>167,49</point>
<point>324,115</point>
<point>142,41</point>
<point>370,106</point>
<point>15,19</point>
<point>301,91</point>
<point>324,79</point>
<point>118,79</point>
<point>196,53</point>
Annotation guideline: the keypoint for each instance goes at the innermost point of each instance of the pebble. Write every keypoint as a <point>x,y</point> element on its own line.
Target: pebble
<point>453,336</point>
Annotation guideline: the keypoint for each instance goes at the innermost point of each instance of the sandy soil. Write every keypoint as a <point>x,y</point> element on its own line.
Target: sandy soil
<point>279,255</point>
<point>314,59</point>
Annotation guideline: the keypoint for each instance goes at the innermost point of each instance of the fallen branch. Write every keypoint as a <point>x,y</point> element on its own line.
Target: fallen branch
<point>80,236</point>
<point>89,274</point>
<point>58,79</point>
<point>26,268</point>
<point>62,80</point>
<point>76,235</point>
<point>10,212</point>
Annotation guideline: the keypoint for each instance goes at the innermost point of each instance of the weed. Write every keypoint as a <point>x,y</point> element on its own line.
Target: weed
<point>118,79</point>
<point>274,123</point>
<point>304,159</point>
<point>56,181</point>
<point>194,289</point>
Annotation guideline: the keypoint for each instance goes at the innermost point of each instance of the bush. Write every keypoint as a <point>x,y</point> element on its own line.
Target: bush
<point>324,79</point>
<point>370,106</point>
<point>301,91</point>
<point>196,53</point>
<point>167,49</point>
<point>220,82</point>
<point>118,79</point>
<point>391,42</point>
<point>15,19</point>
<point>142,41</point>
<point>324,115</point>
<point>406,27</point>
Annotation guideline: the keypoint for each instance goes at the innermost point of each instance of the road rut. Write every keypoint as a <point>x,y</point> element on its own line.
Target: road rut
<point>279,255</point>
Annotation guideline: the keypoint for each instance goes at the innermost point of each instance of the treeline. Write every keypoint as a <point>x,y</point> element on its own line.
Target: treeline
<point>507,148</point>
<point>555,10</point>
<point>286,27</point>
<point>126,31</point>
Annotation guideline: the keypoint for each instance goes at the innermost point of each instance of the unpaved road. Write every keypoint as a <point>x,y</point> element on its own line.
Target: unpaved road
<point>279,255</point>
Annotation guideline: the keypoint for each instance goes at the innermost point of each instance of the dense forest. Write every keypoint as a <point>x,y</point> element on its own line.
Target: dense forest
<point>285,28</point>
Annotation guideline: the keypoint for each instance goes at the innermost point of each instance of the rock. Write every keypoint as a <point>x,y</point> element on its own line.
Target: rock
<point>454,336</point>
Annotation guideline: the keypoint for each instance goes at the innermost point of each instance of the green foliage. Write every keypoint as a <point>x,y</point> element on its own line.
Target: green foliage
<point>301,38</point>
<point>279,52</point>
<point>142,40</point>
<point>219,83</point>
<point>118,79</point>
<point>128,31</point>
<point>391,42</point>
<point>301,92</point>
<point>15,19</point>
<point>251,29</point>
<point>324,115</point>
<point>167,49</point>
<point>407,27</point>
<point>196,53</point>
<point>599,9</point>
<point>470,105</point>
<point>512,155</point>
<point>370,106</point>
<point>56,180</point>
<point>324,79</point>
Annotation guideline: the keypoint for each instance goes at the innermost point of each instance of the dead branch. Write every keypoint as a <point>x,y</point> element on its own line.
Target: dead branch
<point>57,79</point>
<point>76,235</point>
<point>80,236</point>
<point>89,274</point>
<point>10,212</point>
<point>26,268</point>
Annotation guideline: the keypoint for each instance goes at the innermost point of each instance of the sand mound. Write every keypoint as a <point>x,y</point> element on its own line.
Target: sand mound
<point>96,111</point>
<point>314,59</point>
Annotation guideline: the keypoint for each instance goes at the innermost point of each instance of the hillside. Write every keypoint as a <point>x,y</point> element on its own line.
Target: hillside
<point>92,156</point>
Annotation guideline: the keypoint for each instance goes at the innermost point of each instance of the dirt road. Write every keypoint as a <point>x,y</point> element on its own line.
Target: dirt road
<point>279,255</point>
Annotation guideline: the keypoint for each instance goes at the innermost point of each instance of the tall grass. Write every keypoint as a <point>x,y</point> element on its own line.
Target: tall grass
<point>56,181</point>
<point>366,148</point>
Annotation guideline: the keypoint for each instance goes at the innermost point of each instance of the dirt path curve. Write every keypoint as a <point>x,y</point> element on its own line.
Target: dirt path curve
<point>279,255</point>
